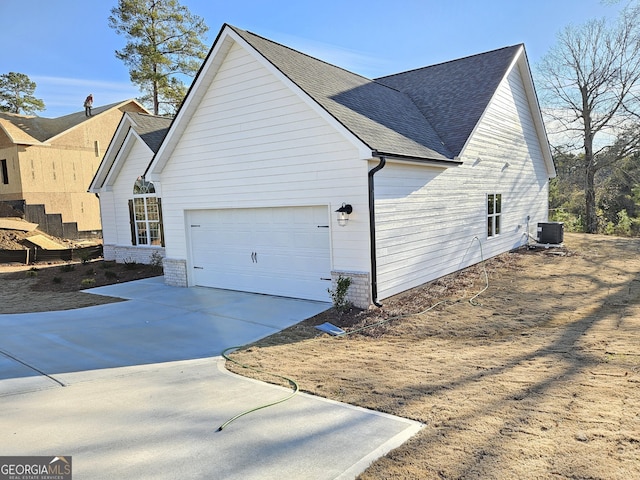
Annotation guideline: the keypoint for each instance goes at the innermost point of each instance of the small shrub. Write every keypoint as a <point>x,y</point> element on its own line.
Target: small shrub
<point>339,294</point>
<point>87,282</point>
<point>107,265</point>
<point>85,257</point>
<point>623,227</point>
<point>156,261</point>
<point>110,274</point>
<point>572,222</point>
<point>90,271</point>
<point>67,267</point>
<point>57,280</point>
<point>32,273</point>
<point>130,264</point>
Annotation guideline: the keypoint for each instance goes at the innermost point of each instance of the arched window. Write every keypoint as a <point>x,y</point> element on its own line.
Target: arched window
<point>145,211</point>
<point>143,186</point>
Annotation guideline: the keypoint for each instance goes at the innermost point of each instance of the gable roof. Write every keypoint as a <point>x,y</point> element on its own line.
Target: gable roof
<point>426,114</point>
<point>383,118</point>
<point>454,95</point>
<point>150,129</point>
<point>34,130</point>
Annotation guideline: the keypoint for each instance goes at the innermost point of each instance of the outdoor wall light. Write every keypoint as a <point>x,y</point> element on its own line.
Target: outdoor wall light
<point>343,214</point>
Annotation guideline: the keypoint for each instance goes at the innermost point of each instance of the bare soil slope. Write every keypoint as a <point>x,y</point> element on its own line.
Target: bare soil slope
<point>538,377</point>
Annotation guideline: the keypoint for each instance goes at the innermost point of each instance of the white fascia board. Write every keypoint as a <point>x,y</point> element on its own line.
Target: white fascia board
<point>130,140</point>
<point>364,151</point>
<point>123,140</point>
<point>493,95</point>
<point>536,112</point>
<point>520,61</point>
<point>112,152</point>
<point>196,92</point>
<point>436,164</point>
<point>203,81</point>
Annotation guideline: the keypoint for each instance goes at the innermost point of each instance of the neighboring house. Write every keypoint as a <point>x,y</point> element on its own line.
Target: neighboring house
<point>46,166</point>
<point>131,207</point>
<point>433,170</point>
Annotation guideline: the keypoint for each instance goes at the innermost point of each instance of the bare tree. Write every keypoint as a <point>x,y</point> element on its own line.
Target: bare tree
<point>590,83</point>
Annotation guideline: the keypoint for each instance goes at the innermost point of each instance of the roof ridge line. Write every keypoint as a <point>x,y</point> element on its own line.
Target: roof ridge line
<point>449,61</point>
<point>301,53</point>
<point>349,72</point>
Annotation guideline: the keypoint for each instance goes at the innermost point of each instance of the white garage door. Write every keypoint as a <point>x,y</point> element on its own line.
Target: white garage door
<point>277,251</point>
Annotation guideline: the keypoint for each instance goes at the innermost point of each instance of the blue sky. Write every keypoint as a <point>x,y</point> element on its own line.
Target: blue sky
<point>67,47</point>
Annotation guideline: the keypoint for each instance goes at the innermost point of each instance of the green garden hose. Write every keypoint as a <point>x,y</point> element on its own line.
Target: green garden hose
<point>292,383</point>
<point>452,302</point>
<point>295,386</point>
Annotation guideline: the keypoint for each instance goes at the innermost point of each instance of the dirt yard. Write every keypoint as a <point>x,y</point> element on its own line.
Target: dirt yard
<point>537,378</point>
<point>45,287</point>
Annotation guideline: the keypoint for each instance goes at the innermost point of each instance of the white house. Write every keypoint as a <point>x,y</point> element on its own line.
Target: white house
<point>129,205</point>
<point>439,167</point>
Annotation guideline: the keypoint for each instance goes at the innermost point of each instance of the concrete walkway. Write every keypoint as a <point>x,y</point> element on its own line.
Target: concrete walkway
<point>137,390</point>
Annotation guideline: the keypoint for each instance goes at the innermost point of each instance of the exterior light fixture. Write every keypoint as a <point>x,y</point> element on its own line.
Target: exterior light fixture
<point>343,214</point>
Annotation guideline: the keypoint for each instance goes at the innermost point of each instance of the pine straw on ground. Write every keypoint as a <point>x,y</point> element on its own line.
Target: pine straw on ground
<point>538,377</point>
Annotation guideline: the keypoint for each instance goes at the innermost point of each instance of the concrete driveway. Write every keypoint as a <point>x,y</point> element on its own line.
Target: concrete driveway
<point>137,389</point>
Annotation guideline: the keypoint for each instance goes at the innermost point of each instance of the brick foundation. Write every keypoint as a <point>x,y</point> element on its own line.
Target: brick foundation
<point>125,254</point>
<point>175,272</point>
<point>359,293</point>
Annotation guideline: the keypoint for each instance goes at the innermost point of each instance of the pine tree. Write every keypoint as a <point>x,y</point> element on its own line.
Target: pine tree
<point>164,45</point>
<point>16,94</point>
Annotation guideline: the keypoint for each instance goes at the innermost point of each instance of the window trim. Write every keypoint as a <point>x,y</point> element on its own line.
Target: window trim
<point>145,190</point>
<point>494,214</point>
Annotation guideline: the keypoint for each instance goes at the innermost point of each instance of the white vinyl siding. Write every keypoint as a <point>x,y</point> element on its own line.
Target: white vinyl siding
<point>253,143</point>
<point>430,222</point>
<point>494,211</point>
<point>114,202</point>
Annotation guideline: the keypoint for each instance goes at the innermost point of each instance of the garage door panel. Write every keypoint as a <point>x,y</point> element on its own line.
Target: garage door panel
<point>277,251</point>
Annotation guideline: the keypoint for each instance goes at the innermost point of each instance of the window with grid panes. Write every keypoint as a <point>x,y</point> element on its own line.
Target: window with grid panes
<point>494,214</point>
<point>147,218</point>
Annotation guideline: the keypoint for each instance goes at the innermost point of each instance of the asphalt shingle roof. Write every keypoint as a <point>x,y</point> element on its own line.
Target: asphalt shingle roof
<point>425,113</point>
<point>453,95</point>
<point>33,129</point>
<point>152,129</point>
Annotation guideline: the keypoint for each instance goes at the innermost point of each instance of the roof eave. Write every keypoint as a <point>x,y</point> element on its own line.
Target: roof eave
<point>76,126</point>
<point>430,161</point>
<point>112,153</point>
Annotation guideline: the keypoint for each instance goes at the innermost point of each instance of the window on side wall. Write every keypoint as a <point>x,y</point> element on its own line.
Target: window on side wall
<point>5,172</point>
<point>145,212</point>
<point>494,214</point>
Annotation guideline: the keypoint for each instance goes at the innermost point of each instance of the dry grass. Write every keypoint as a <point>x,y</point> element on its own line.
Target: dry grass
<point>540,378</point>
